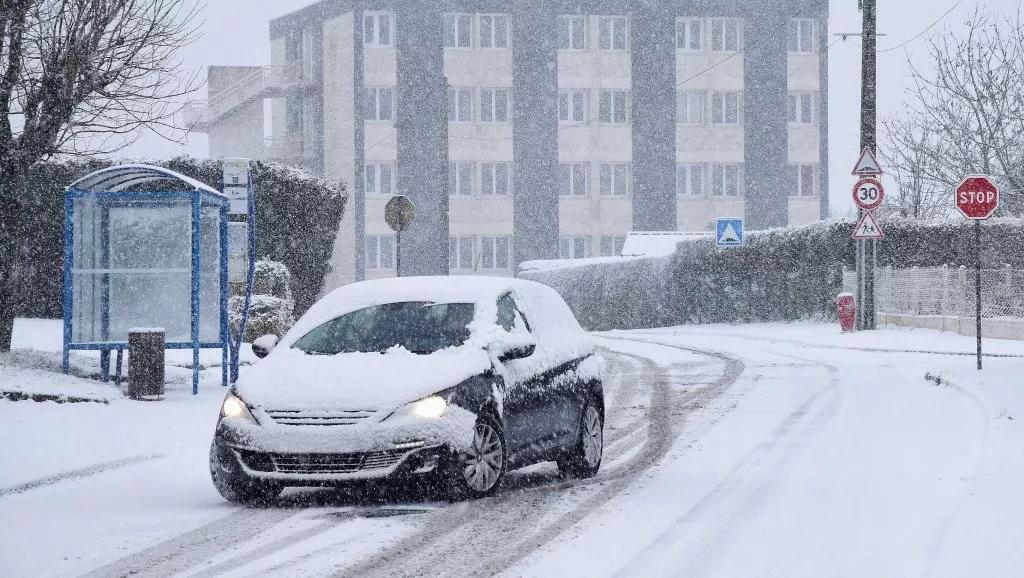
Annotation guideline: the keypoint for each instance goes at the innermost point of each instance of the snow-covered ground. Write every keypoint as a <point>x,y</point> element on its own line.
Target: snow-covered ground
<point>746,450</point>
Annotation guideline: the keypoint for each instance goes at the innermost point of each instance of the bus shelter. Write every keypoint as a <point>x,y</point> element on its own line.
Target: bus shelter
<point>145,247</point>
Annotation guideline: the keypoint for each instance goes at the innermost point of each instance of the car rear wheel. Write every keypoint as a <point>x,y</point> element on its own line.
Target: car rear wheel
<point>232,482</point>
<point>479,471</point>
<point>583,460</point>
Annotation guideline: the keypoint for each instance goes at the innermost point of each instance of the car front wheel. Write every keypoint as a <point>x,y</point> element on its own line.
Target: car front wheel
<point>584,458</point>
<point>232,482</point>
<point>479,471</point>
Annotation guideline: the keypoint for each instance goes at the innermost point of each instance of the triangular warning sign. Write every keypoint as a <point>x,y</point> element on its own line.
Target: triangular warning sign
<point>867,164</point>
<point>867,228</point>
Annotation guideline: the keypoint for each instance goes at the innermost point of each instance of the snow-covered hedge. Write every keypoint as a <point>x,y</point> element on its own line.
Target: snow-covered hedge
<point>781,274</point>
<point>271,309</point>
<point>297,215</point>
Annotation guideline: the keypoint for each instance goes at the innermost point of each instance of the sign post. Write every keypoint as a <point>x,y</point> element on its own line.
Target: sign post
<point>398,214</point>
<point>977,197</point>
<point>238,189</point>
<point>868,194</point>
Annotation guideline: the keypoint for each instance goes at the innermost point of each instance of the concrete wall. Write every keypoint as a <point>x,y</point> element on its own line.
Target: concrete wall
<point>339,141</point>
<point>240,133</point>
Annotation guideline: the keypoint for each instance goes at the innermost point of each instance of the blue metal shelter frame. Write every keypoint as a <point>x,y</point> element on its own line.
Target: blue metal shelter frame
<point>131,185</point>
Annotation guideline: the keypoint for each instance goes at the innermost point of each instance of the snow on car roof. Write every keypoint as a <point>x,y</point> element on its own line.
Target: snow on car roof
<point>440,289</point>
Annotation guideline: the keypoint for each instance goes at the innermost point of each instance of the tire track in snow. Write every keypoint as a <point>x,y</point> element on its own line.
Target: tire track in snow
<point>780,449</point>
<point>77,474</point>
<point>192,548</point>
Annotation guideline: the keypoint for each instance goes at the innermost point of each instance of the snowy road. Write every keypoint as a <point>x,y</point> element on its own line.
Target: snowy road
<point>730,451</point>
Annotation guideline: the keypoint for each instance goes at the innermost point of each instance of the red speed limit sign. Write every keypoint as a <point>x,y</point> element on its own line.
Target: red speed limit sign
<point>868,193</point>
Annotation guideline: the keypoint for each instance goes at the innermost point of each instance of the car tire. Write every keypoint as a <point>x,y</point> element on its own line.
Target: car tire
<point>479,471</point>
<point>234,485</point>
<point>583,459</point>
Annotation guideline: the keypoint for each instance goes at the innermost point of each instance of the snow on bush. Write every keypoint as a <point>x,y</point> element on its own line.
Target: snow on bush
<point>780,275</point>
<point>271,309</point>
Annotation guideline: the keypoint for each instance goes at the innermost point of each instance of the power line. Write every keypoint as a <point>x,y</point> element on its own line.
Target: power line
<point>921,33</point>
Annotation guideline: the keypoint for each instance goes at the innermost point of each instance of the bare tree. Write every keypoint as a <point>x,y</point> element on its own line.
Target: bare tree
<point>965,116</point>
<point>912,150</point>
<point>81,77</point>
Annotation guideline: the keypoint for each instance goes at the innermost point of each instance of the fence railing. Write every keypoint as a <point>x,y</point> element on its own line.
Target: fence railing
<point>947,292</point>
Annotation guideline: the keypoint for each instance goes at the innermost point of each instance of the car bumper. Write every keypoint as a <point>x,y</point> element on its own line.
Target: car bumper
<point>321,455</point>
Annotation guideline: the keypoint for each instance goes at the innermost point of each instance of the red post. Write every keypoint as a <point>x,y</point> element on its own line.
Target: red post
<point>846,308</point>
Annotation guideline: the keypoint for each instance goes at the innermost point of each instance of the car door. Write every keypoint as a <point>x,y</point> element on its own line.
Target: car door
<point>528,425</point>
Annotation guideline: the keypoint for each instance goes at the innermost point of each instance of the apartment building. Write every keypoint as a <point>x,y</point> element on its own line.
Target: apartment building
<point>538,129</point>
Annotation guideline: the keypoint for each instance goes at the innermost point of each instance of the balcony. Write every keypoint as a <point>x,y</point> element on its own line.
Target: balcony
<point>267,82</point>
<point>289,150</point>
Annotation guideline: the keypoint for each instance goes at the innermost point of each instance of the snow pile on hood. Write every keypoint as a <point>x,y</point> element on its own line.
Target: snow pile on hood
<point>291,379</point>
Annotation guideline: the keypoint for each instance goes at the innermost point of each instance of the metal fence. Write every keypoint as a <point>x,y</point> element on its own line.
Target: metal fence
<point>948,292</point>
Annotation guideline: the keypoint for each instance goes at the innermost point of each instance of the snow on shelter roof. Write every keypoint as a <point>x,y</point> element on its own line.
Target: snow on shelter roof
<point>125,177</point>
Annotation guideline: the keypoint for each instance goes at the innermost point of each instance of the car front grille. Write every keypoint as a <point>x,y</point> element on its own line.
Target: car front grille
<point>326,417</point>
<point>335,463</point>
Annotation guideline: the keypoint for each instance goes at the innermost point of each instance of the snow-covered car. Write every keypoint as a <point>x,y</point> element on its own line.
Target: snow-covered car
<point>447,380</point>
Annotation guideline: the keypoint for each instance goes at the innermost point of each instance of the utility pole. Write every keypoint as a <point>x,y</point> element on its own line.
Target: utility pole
<point>867,251</point>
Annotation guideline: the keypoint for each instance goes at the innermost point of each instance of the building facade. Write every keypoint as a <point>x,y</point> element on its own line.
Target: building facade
<point>538,129</point>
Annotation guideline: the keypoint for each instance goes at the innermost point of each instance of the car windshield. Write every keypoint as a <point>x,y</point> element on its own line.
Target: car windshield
<point>419,326</point>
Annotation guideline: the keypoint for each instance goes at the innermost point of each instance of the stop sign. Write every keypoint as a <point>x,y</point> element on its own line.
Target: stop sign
<point>977,197</point>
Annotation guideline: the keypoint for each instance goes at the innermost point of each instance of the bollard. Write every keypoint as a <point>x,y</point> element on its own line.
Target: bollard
<point>145,363</point>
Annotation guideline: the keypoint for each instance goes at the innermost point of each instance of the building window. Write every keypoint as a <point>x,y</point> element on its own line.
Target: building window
<point>573,179</point>
<point>379,179</point>
<point>725,107</point>
<point>572,32</point>
<point>294,113</point>
<point>725,35</point>
<point>611,246</point>
<point>378,29</point>
<point>611,32</point>
<point>801,35</point>
<point>614,179</point>
<point>495,252</point>
<point>493,31</point>
<point>380,252</point>
<point>572,106</point>
<point>380,104</point>
<point>495,179</point>
<point>801,108</point>
<point>726,180</point>
<point>802,181</point>
<point>460,104</point>
<point>462,253</point>
<point>494,104</point>
<point>689,34</point>
<point>460,178</point>
<point>690,180</point>
<point>458,30</point>
<point>614,107</point>
<point>691,106</point>
<point>574,246</point>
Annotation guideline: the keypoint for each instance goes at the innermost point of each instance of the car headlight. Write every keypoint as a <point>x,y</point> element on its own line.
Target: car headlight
<point>430,407</point>
<point>434,406</point>
<point>234,407</point>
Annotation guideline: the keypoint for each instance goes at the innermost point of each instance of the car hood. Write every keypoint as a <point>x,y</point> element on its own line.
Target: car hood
<point>291,379</point>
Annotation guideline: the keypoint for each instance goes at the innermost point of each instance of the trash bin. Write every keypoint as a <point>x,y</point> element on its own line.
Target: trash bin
<point>145,363</point>
<point>846,307</point>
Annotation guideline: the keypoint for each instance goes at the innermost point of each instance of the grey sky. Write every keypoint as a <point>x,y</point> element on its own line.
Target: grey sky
<point>235,33</point>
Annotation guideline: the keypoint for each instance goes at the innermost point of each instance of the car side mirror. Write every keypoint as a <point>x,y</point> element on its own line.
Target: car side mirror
<point>262,346</point>
<point>517,352</point>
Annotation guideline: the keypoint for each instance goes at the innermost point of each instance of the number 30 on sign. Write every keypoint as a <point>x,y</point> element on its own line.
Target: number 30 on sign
<point>868,193</point>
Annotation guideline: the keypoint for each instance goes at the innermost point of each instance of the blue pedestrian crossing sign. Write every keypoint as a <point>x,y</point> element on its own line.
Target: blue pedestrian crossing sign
<point>729,232</point>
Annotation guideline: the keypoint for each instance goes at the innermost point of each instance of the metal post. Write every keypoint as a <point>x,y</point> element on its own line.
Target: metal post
<point>398,253</point>
<point>225,332</point>
<point>977,284</point>
<point>197,236</point>
<point>69,255</point>
<point>868,124</point>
